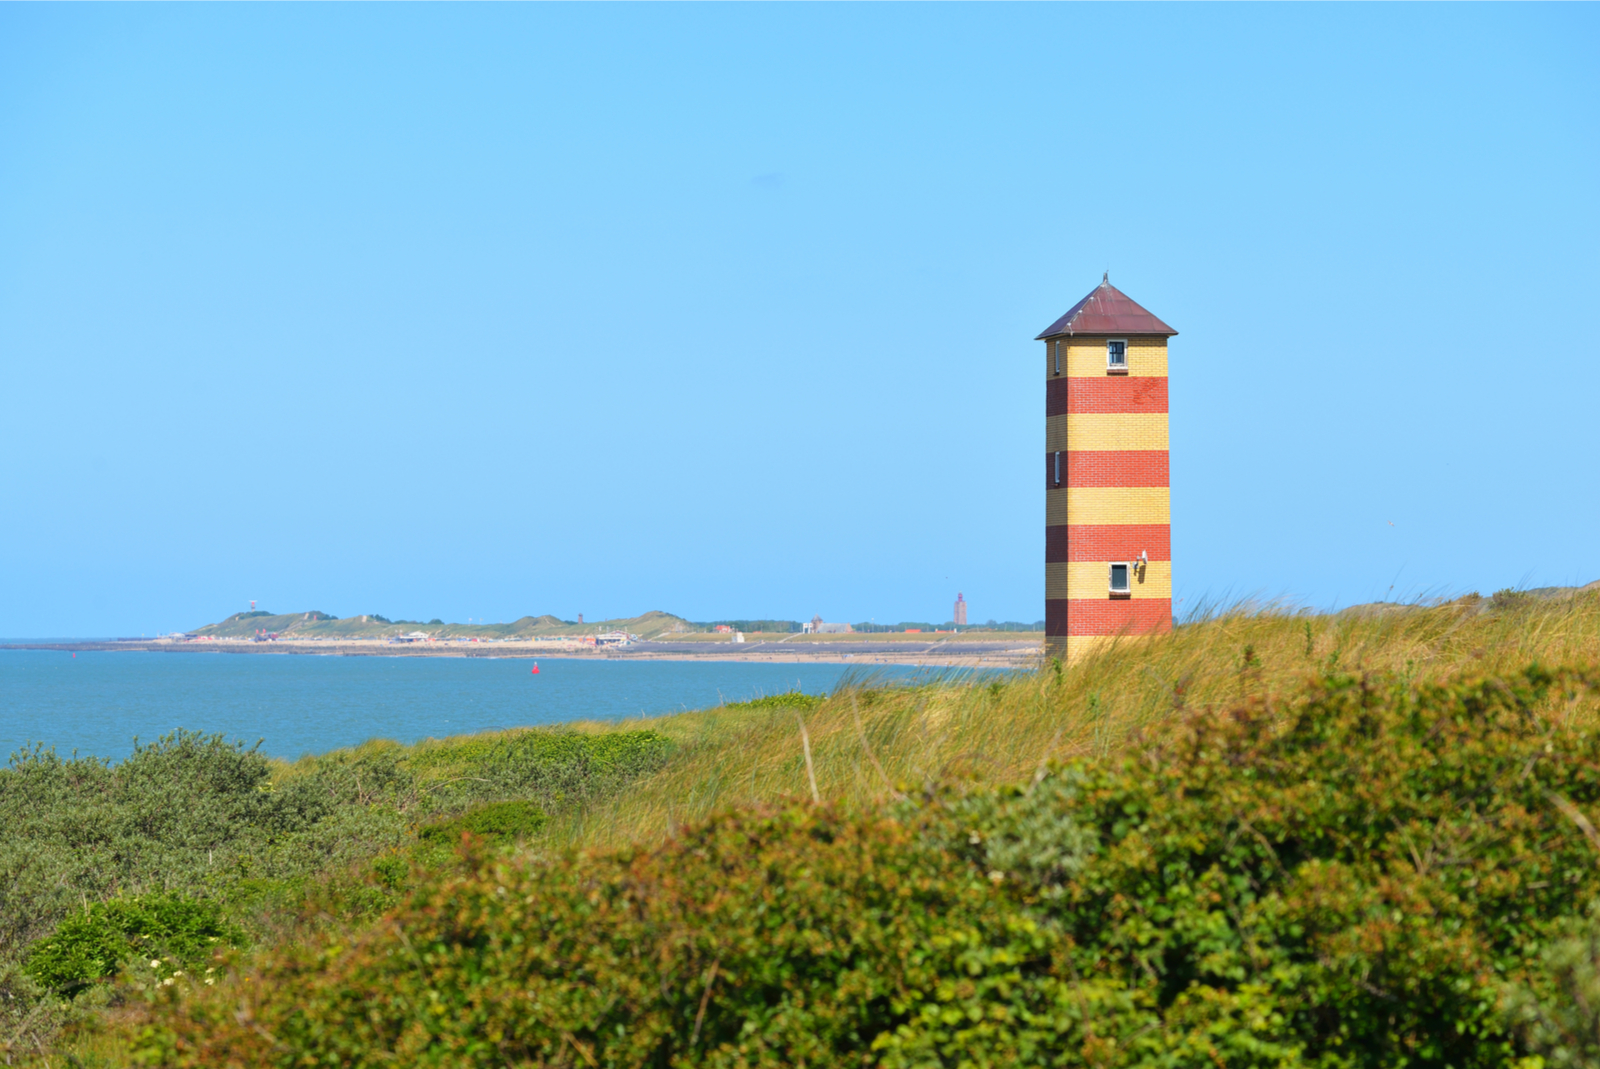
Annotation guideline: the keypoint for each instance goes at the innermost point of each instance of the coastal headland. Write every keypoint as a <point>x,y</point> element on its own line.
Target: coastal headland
<point>653,636</point>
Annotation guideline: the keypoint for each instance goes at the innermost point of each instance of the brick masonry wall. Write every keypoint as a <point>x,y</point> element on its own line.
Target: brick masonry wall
<point>1107,542</point>
<point>1078,579</point>
<point>1110,393</point>
<point>1108,504</point>
<point>1096,616</point>
<point>1105,430</point>
<point>1082,357</point>
<point>1112,501</point>
<point>1107,467</point>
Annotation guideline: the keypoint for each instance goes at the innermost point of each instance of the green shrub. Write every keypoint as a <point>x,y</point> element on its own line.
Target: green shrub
<point>1509,599</point>
<point>200,815</point>
<point>555,768</point>
<point>196,816</point>
<point>167,929</point>
<point>391,871</point>
<point>1360,871</point>
<point>790,937</point>
<point>1562,1022</point>
<point>175,816</point>
<point>791,699</point>
<point>1365,875</point>
<point>497,820</point>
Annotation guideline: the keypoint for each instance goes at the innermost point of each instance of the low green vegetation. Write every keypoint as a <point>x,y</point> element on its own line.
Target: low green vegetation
<point>792,699</point>
<point>496,821</point>
<point>1365,873</point>
<point>1358,840</point>
<point>195,839</point>
<point>172,931</point>
<point>973,726</point>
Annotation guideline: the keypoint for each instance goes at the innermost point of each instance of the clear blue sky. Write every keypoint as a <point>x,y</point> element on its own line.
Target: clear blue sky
<point>728,310</point>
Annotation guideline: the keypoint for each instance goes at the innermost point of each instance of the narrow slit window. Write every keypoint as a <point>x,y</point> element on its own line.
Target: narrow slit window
<point>1058,358</point>
<point>1117,355</point>
<point>1119,579</point>
<point>1056,480</point>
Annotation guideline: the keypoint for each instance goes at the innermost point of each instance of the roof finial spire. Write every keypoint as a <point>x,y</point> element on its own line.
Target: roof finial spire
<point>1105,279</point>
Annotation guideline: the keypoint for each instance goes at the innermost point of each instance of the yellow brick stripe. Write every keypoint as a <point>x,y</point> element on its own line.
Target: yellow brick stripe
<point>1108,504</point>
<point>1078,647</point>
<point>1087,356</point>
<point>1106,430</point>
<point>1073,649</point>
<point>1092,579</point>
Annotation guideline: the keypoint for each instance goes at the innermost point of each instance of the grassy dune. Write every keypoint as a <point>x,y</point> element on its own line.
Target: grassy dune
<point>865,737</point>
<point>1266,840</point>
<point>369,814</point>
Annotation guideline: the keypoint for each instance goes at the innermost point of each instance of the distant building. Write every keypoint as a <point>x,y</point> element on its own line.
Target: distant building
<point>961,610</point>
<point>817,627</point>
<point>1108,556</point>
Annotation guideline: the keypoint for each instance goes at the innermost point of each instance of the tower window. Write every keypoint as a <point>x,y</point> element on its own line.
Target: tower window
<point>1058,358</point>
<point>1117,355</point>
<point>1119,579</point>
<point>1056,479</point>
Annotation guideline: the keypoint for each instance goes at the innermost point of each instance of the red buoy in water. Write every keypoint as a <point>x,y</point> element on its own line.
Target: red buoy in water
<point>535,668</point>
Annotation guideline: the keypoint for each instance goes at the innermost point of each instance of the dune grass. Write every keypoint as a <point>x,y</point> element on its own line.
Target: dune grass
<point>870,739</point>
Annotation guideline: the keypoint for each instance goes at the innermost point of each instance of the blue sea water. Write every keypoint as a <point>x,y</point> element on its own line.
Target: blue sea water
<point>98,702</point>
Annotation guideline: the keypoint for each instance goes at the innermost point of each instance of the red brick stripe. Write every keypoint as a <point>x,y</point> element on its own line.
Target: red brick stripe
<point>1108,467</point>
<point>1104,616</point>
<point>1113,393</point>
<point>1108,541</point>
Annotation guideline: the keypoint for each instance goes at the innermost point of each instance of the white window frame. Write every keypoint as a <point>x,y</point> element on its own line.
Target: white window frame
<point>1058,356</point>
<point>1110,366</point>
<point>1111,577</point>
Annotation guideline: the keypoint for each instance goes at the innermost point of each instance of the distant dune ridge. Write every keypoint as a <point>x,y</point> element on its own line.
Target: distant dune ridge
<point>1503,599</point>
<point>315,624</point>
<point>657,624</point>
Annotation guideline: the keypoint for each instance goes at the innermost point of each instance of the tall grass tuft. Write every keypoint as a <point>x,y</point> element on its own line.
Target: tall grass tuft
<point>869,739</point>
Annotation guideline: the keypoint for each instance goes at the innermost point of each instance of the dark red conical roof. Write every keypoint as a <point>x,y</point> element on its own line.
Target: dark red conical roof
<point>1107,310</point>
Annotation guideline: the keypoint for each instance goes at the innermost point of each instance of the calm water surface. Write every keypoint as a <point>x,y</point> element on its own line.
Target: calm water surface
<point>98,702</point>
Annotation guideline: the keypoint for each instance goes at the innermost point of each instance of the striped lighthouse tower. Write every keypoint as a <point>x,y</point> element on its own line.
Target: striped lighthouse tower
<point>1108,534</point>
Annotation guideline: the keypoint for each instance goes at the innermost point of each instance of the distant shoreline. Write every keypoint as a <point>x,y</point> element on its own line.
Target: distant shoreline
<point>982,650</point>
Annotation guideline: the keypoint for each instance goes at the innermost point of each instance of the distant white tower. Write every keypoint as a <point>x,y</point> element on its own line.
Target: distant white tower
<point>961,610</point>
